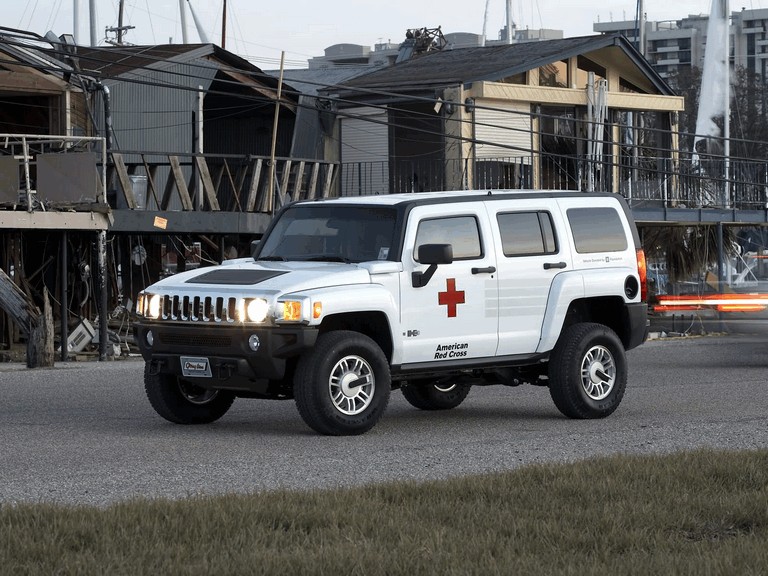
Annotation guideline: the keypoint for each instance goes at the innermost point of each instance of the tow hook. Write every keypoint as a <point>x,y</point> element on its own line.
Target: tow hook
<point>155,366</point>
<point>227,370</point>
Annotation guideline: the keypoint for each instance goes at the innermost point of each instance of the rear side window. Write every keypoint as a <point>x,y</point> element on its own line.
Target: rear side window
<point>597,230</point>
<point>527,233</point>
<point>459,231</point>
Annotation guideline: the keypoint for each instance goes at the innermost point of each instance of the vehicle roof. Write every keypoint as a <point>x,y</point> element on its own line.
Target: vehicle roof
<point>456,195</point>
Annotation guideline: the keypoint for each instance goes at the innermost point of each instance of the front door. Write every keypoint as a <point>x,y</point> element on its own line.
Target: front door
<point>449,319</point>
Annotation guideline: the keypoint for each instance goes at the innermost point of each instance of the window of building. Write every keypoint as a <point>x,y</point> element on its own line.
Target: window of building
<point>554,74</point>
<point>584,67</point>
<point>627,86</point>
<point>527,233</point>
<point>521,78</point>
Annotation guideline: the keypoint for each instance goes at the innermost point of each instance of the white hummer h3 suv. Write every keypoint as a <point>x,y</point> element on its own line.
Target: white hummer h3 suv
<point>347,299</point>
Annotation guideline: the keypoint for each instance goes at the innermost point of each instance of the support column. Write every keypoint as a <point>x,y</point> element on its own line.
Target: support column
<point>720,258</point>
<point>64,299</point>
<point>103,300</point>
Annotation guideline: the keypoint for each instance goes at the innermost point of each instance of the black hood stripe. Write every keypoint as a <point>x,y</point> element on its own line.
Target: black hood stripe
<point>235,277</point>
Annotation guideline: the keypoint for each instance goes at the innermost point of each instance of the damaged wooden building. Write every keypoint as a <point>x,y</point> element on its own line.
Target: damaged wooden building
<point>121,164</point>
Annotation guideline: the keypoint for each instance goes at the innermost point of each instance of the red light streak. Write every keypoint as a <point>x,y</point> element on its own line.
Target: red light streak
<point>730,302</point>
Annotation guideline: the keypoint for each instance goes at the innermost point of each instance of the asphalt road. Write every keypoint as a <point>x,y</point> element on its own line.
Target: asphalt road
<point>85,433</point>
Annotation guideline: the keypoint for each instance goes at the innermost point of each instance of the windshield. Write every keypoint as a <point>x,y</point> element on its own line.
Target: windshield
<point>331,233</point>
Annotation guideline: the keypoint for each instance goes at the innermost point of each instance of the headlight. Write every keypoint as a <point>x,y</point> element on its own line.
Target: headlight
<point>154,306</point>
<point>140,304</point>
<point>292,310</point>
<point>257,310</point>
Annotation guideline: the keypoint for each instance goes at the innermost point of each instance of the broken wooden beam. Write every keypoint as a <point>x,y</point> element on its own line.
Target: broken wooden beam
<point>35,325</point>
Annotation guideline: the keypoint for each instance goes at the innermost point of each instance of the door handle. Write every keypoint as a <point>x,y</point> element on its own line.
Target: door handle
<point>550,265</point>
<point>486,270</point>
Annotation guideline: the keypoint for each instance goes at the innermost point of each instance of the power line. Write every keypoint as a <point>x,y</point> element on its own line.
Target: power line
<point>261,76</point>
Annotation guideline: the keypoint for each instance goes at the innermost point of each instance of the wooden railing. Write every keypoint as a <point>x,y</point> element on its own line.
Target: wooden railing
<point>225,183</point>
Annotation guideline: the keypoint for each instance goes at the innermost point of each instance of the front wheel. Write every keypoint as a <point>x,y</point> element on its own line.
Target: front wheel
<point>342,385</point>
<point>587,371</point>
<point>435,394</point>
<point>182,402</point>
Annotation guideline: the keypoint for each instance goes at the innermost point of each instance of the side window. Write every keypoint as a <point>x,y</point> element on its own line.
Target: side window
<point>597,230</point>
<point>527,233</point>
<point>459,231</point>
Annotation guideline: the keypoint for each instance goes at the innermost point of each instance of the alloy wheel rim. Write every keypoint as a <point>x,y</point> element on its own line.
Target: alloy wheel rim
<point>351,385</point>
<point>598,372</point>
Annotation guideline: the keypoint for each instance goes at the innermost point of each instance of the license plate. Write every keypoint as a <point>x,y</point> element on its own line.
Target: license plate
<point>195,367</point>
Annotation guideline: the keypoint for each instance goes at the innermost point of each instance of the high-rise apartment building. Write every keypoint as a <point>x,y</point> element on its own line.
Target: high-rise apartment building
<point>674,44</point>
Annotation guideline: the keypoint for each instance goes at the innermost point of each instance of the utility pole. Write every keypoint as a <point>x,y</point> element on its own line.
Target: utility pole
<point>120,29</point>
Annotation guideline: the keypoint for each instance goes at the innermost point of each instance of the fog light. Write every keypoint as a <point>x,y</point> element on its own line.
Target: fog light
<point>254,342</point>
<point>150,338</point>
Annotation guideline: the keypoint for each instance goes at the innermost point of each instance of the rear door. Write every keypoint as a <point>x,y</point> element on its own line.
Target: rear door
<point>449,319</point>
<point>530,256</point>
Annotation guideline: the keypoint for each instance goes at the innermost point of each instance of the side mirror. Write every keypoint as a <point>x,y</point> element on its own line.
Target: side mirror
<point>435,254</point>
<point>254,247</point>
<point>432,254</point>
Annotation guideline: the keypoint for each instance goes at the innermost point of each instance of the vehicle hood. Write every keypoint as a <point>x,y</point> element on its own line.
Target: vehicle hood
<point>245,275</point>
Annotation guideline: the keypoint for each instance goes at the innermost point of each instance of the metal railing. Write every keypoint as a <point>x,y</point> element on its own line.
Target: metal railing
<point>27,167</point>
<point>155,181</point>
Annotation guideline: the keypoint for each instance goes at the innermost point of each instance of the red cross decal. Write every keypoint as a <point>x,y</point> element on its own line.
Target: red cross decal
<point>451,297</point>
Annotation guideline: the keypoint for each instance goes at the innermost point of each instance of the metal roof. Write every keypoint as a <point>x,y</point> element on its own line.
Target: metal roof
<point>115,61</point>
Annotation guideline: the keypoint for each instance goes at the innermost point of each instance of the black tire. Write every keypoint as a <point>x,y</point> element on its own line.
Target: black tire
<point>435,394</point>
<point>587,371</point>
<point>182,402</point>
<point>323,396</point>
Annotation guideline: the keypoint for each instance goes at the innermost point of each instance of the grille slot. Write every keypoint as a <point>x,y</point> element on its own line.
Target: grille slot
<point>202,341</point>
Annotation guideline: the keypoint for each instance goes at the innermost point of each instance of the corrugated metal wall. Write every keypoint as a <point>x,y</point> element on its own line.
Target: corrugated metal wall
<point>506,123</point>
<point>156,114</point>
<point>365,152</point>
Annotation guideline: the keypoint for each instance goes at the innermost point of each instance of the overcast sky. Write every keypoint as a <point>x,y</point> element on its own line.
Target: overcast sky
<point>261,29</point>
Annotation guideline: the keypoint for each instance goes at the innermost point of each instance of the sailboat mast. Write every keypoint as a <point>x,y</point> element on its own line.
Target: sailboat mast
<point>183,15</point>
<point>75,19</point>
<point>92,13</point>
<point>224,26</point>
<point>727,114</point>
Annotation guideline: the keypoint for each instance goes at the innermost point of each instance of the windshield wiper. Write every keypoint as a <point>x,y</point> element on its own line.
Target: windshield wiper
<point>272,258</point>
<point>327,258</point>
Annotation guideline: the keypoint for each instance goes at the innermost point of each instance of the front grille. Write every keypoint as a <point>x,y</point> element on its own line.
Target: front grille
<point>207,340</point>
<point>199,308</point>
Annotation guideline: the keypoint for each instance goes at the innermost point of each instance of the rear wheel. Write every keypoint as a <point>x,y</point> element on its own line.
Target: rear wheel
<point>183,402</point>
<point>435,394</point>
<point>587,371</point>
<point>342,385</point>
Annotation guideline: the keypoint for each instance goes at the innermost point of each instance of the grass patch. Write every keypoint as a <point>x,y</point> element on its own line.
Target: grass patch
<point>704,512</point>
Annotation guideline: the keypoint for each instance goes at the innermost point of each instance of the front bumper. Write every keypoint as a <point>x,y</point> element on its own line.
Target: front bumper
<point>232,361</point>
